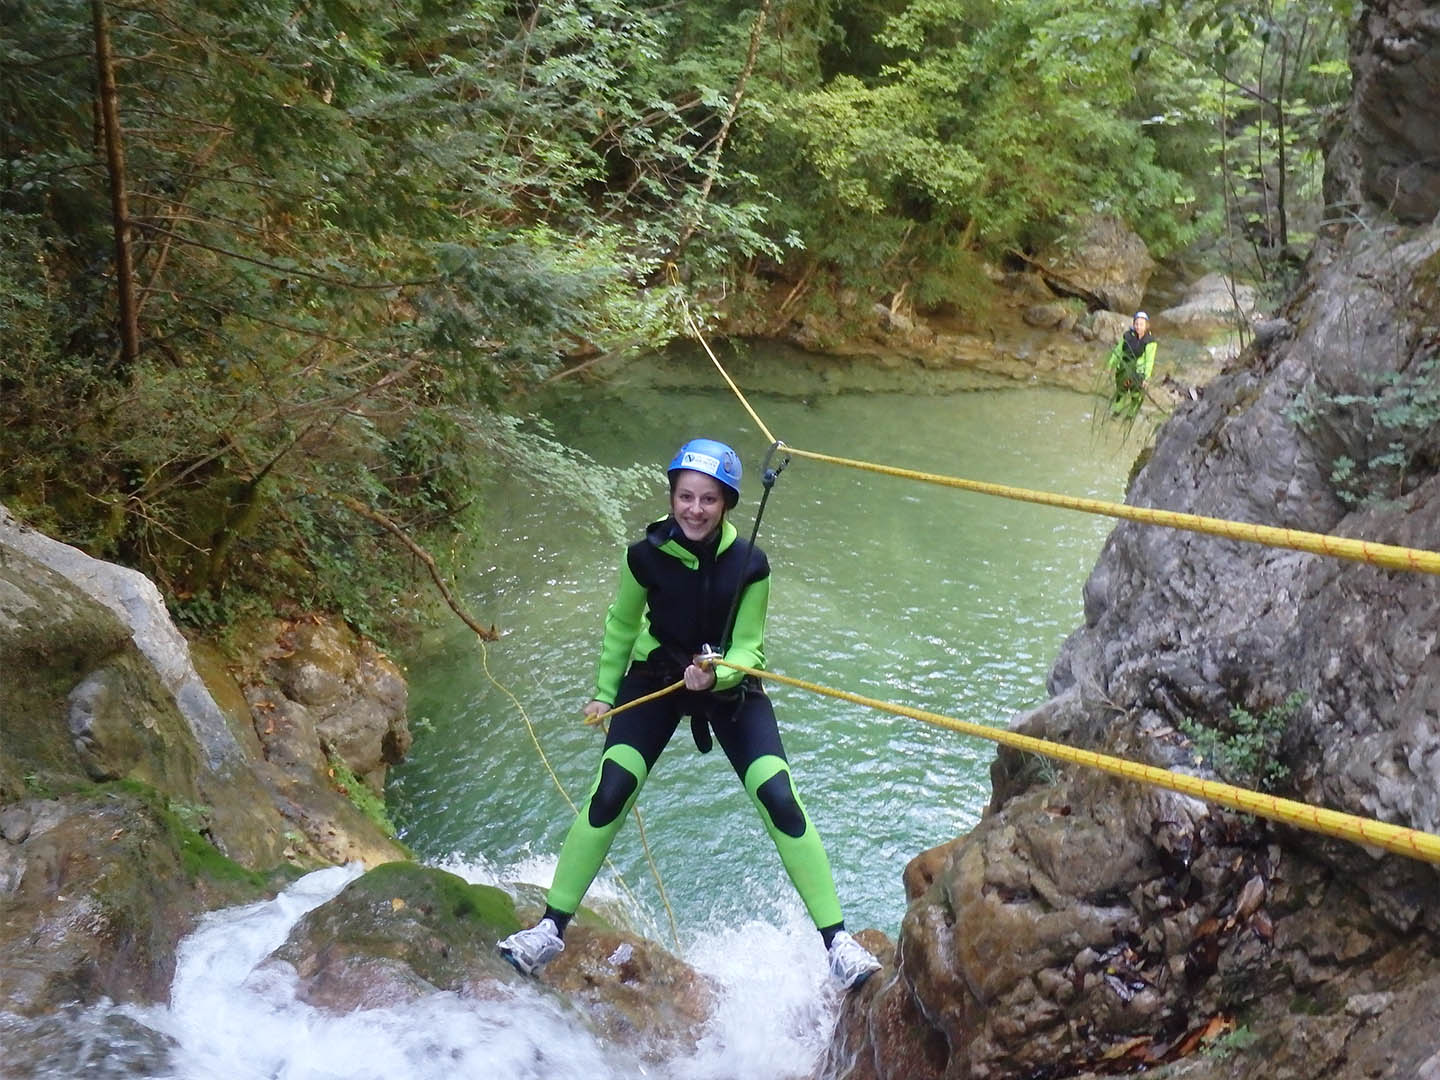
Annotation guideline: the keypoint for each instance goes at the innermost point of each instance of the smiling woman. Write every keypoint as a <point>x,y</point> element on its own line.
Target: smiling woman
<point>940,600</point>
<point>676,590</point>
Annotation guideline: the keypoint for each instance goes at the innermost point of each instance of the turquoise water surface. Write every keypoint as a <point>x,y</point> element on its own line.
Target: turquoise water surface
<point>888,588</point>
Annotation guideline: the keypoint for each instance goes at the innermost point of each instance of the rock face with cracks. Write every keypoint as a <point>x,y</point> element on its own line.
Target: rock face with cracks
<point>1090,925</point>
<point>136,795</point>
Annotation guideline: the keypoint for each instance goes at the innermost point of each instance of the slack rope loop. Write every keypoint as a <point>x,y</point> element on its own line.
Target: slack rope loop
<point>555,777</point>
<point>1403,841</point>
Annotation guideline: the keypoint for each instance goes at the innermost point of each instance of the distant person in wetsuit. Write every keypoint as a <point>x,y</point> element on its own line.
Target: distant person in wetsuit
<point>1133,361</point>
<point>677,587</point>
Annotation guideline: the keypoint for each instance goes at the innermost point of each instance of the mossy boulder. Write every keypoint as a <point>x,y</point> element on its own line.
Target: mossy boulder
<point>399,932</point>
<point>108,691</point>
<point>404,931</point>
<point>96,890</point>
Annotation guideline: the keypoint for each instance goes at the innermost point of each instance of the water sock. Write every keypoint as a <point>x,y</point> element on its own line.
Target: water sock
<point>562,920</point>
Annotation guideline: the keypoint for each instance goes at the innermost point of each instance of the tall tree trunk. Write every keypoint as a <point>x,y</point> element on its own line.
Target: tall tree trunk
<point>1267,231</point>
<point>1280,149</point>
<point>1291,60</point>
<point>119,201</point>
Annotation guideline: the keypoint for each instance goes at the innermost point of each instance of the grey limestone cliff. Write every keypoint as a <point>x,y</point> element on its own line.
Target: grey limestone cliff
<point>1090,925</point>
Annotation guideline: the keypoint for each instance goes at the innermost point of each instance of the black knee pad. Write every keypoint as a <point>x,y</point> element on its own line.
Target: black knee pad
<point>777,795</point>
<point>617,784</point>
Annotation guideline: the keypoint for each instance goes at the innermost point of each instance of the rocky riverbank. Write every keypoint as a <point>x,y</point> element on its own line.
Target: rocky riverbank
<point>139,791</point>
<point>1089,926</point>
<point>135,795</point>
<point>1085,927</point>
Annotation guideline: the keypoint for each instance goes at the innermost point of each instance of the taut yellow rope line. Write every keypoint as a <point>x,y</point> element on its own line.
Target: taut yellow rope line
<point>1410,842</point>
<point>1385,555</point>
<point>1402,841</point>
<point>694,329</point>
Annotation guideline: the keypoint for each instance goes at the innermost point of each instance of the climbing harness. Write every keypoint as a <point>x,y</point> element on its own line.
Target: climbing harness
<point>700,722</point>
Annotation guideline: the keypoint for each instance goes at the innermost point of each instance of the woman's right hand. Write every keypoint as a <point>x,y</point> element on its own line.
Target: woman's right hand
<point>594,710</point>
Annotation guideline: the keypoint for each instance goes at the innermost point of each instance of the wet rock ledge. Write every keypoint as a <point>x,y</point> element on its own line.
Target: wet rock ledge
<point>136,794</point>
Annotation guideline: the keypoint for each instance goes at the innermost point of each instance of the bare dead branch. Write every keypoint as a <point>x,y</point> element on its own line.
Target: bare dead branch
<point>392,527</point>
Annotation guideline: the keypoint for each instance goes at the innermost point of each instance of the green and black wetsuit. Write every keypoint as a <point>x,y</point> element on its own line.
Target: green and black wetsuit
<point>674,598</point>
<point>1133,361</point>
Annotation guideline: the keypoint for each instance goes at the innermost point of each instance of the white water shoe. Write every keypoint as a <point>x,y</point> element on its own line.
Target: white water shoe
<point>528,950</point>
<point>850,962</point>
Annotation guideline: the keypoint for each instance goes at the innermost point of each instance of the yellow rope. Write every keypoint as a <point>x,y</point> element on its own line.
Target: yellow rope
<point>600,718</point>
<point>1403,841</point>
<point>694,329</point>
<point>1386,555</point>
<point>545,760</point>
<point>655,872</point>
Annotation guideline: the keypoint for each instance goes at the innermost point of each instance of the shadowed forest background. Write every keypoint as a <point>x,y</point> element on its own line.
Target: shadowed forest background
<point>275,276</point>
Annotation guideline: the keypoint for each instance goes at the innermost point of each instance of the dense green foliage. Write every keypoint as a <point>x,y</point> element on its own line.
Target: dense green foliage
<point>990,128</point>
<point>1392,426</point>
<point>353,788</point>
<point>1245,750</point>
<point>1270,81</point>
<point>359,230</point>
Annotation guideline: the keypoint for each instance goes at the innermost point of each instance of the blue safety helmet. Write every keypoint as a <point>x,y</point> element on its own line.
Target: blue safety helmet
<point>713,459</point>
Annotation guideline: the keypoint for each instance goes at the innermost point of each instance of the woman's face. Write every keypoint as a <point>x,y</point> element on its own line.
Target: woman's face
<point>698,503</point>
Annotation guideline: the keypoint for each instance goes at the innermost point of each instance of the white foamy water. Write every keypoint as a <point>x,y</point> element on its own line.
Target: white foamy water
<point>231,1019</point>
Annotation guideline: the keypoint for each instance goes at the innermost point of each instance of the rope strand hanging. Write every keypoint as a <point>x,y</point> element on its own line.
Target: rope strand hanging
<point>555,778</point>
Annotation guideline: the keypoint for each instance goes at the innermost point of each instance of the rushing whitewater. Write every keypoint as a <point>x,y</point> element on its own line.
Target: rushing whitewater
<point>233,1017</point>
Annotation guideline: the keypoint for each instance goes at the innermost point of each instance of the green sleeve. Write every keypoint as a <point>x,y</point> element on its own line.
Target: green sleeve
<point>1113,360</point>
<point>747,640</point>
<point>622,626</point>
<point>1147,361</point>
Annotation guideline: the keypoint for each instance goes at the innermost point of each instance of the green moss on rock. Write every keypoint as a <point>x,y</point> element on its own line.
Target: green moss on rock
<point>436,924</point>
